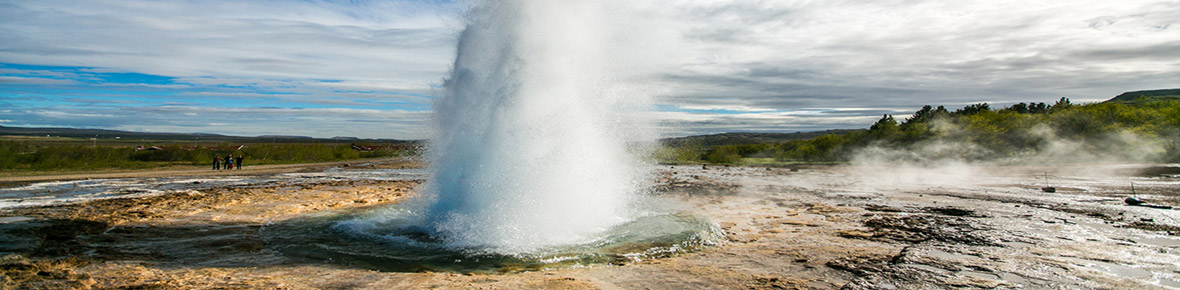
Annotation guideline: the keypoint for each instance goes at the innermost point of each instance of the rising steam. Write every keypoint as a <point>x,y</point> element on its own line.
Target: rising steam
<point>532,131</point>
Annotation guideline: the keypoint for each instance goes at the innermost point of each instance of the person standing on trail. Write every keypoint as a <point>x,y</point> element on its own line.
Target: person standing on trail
<point>216,162</point>
<point>229,161</point>
<point>238,161</point>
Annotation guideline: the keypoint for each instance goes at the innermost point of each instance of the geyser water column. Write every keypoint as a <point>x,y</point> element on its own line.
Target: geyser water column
<point>532,164</point>
<point>530,146</point>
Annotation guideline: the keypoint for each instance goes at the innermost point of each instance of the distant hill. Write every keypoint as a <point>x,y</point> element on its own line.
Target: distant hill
<point>1149,94</point>
<point>106,134</point>
<point>748,138</point>
<point>127,135</point>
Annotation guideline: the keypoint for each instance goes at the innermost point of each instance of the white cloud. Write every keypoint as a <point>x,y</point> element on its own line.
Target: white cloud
<point>399,43</point>
<point>781,65</point>
<point>319,122</point>
<point>727,108</point>
<point>899,55</point>
<point>33,81</point>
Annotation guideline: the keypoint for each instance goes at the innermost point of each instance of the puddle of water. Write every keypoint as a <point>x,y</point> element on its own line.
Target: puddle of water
<point>1171,282</point>
<point>927,268</point>
<point>1158,241</point>
<point>980,275</point>
<point>948,256</point>
<point>1112,268</point>
<point>1017,280</point>
<point>14,219</point>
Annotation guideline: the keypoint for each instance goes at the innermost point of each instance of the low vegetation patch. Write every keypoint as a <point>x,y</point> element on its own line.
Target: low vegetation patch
<point>24,154</point>
<point>1143,129</point>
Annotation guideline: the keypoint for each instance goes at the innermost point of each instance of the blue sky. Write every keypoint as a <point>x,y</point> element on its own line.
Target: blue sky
<point>371,68</point>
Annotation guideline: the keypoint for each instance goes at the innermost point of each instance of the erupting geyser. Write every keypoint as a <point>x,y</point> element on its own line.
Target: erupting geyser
<point>530,146</point>
<point>531,164</point>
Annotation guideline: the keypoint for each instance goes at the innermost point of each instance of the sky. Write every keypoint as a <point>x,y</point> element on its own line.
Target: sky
<point>372,69</point>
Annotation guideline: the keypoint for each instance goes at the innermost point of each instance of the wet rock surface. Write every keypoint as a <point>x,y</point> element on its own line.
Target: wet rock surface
<point>932,228</point>
<point>116,239</point>
<point>812,228</point>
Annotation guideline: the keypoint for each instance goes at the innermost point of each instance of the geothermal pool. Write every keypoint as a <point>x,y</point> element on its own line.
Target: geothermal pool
<point>825,227</point>
<point>389,239</point>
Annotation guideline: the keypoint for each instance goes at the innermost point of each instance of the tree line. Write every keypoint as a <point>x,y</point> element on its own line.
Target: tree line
<point>979,131</point>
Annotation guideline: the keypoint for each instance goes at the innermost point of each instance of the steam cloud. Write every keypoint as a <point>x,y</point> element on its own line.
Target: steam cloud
<point>532,132</point>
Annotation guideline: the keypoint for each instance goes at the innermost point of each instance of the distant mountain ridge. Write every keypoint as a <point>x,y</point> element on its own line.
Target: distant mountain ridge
<point>702,140</point>
<point>102,133</point>
<point>734,138</point>
<point>112,134</point>
<point>1149,94</point>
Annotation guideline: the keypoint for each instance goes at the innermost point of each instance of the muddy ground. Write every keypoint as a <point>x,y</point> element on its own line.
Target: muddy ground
<point>803,228</point>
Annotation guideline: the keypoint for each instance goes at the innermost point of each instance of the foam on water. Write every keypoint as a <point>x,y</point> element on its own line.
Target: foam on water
<point>530,146</point>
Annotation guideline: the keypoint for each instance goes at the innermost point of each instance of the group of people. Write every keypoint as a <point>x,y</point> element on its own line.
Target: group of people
<point>228,163</point>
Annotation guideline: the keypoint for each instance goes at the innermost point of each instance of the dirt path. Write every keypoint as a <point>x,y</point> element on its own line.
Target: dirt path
<point>191,171</point>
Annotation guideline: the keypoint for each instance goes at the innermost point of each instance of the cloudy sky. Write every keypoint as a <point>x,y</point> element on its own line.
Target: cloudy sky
<point>371,69</point>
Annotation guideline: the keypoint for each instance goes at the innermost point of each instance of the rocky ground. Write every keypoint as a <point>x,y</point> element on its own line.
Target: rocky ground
<point>803,228</point>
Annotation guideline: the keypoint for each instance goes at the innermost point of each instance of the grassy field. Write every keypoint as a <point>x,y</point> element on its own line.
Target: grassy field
<point>31,154</point>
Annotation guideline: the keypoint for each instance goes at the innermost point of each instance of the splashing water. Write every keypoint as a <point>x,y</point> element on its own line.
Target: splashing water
<point>531,164</point>
<point>529,152</point>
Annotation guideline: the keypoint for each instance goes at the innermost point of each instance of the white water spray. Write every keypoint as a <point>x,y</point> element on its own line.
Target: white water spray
<point>532,135</point>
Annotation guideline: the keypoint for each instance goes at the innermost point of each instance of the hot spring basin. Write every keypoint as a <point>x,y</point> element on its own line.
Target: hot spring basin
<point>395,245</point>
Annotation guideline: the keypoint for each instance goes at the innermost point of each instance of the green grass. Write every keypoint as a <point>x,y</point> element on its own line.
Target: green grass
<point>36,154</point>
<point>974,133</point>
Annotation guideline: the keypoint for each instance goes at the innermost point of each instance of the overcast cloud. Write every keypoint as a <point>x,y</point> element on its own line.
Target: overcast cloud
<point>772,58</point>
<point>369,68</point>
